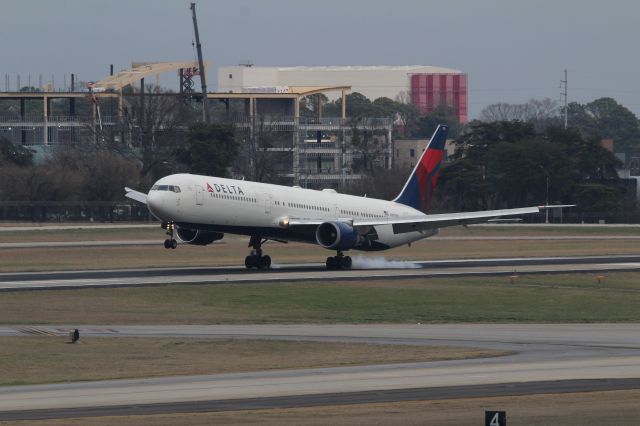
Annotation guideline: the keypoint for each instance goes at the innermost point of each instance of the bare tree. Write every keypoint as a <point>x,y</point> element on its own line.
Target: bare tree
<point>152,126</point>
<point>539,112</point>
<point>369,147</point>
<point>266,147</point>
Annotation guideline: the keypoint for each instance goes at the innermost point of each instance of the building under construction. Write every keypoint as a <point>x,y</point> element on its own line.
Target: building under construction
<point>319,151</point>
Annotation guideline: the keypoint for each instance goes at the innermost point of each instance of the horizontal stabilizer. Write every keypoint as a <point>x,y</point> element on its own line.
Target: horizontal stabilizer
<point>557,206</point>
<point>135,195</point>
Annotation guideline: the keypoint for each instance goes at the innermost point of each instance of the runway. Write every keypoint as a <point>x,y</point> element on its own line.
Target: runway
<point>546,359</point>
<point>363,268</point>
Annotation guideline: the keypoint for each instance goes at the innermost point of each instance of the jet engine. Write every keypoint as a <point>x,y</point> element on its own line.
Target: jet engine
<point>338,236</point>
<point>198,237</point>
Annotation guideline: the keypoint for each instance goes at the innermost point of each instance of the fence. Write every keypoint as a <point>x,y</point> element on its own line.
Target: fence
<point>94,211</point>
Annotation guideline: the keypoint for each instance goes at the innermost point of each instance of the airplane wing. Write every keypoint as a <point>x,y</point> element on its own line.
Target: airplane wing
<point>135,195</point>
<point>432,221</point>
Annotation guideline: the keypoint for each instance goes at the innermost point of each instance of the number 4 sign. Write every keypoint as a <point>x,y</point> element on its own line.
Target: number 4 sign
<point>495,418</point>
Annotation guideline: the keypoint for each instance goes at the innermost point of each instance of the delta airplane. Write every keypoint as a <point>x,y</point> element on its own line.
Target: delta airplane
<point>201,209</point>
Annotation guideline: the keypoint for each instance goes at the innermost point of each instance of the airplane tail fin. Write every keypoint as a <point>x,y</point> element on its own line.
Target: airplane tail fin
<point>418,189</point>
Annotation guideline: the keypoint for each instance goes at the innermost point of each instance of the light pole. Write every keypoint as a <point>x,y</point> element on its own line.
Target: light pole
<point>546,197</point>
<point>546,203</point>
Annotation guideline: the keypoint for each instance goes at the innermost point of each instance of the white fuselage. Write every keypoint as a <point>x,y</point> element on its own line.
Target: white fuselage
<point>259,209</point>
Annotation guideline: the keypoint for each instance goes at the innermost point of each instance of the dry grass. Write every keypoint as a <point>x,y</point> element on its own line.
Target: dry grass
<point>154,232</point>
<point>30,359</point>
<point>45,233</point>
<point>232,251</point>
<point>578,409</point>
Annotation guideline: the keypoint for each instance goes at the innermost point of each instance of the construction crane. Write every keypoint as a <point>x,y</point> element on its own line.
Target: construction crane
<point>203,81</point>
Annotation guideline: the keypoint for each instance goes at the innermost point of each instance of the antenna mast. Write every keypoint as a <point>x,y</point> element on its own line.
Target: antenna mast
<point>203,79</point>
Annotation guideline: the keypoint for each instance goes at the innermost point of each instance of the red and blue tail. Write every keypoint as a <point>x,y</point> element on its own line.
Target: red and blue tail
<point>418,190</point>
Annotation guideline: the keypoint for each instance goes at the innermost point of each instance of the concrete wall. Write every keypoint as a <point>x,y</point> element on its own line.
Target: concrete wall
<point>373,81</point>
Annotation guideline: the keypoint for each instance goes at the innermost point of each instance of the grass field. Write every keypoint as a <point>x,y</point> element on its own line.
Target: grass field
<point>29,360</point>
<point>535,298</point>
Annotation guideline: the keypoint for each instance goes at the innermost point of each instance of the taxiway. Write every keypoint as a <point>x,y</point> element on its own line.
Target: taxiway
<point>546,358</point>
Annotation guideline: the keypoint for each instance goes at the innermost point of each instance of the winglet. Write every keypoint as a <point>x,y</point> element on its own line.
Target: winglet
<point>418,190</point>
<point>135,195</point>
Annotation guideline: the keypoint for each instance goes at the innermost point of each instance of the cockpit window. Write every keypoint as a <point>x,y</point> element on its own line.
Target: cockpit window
<point>172,188</point>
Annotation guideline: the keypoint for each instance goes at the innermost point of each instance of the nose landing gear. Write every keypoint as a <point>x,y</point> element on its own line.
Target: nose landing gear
<point>339,262</point>
<point>169,243</point>
<point>256,259</point>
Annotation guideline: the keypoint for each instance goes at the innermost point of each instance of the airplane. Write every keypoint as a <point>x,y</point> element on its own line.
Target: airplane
<point>201,209</point>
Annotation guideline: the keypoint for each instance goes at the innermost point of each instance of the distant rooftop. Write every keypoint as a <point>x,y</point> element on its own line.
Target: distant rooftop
<point>406,68</point>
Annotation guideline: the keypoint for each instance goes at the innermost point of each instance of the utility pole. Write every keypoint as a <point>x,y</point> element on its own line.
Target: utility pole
<point>546,211</point>
<point>203,79</point>
<point>563,96</point>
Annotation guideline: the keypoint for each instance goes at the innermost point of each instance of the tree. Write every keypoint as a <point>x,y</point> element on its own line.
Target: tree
<point>383,183</point>
<point>539,112</point>
<point>15,154</point>
<point>265,150</point>
<point>209,150</point>
<point>597,197</point>
<point>442,114</point>
<point>462,186</point>
<point>310,105</point>
<point>407,123</point>
<point>508,164</point>
<point>42,182</point>
<point>152,126</point>
<point>369,148</point>
<point>358,105</point>
<point>606,118</point>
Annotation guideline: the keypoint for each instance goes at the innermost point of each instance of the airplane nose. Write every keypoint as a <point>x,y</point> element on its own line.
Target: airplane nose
<point>155,204</point>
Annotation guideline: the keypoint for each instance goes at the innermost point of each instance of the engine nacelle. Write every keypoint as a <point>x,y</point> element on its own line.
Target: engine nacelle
<point>198,237</point>
<point>338,236</point>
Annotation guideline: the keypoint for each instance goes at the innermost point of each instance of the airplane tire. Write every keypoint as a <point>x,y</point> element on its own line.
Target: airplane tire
<point>250,262</point>
<point>263,262</point>
<point>167,244</point>
<point>346,262</point>
<point>174,244</point>
<point>331,263</point>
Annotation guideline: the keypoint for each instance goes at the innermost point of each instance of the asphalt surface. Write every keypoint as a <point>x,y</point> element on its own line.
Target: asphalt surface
<point>363,268</point>
<point>546,358</point>
<point>297,401</point>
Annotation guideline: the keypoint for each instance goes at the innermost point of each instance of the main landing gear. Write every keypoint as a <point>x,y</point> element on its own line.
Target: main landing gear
<point>169,243</point>
<point>339,262</point>
<point>256,259</point>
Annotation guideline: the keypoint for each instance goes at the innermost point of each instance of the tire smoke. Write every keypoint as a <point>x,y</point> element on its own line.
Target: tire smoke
<point>362,262</point>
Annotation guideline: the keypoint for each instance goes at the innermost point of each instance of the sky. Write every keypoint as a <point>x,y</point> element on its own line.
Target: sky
<point>512,50</point>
